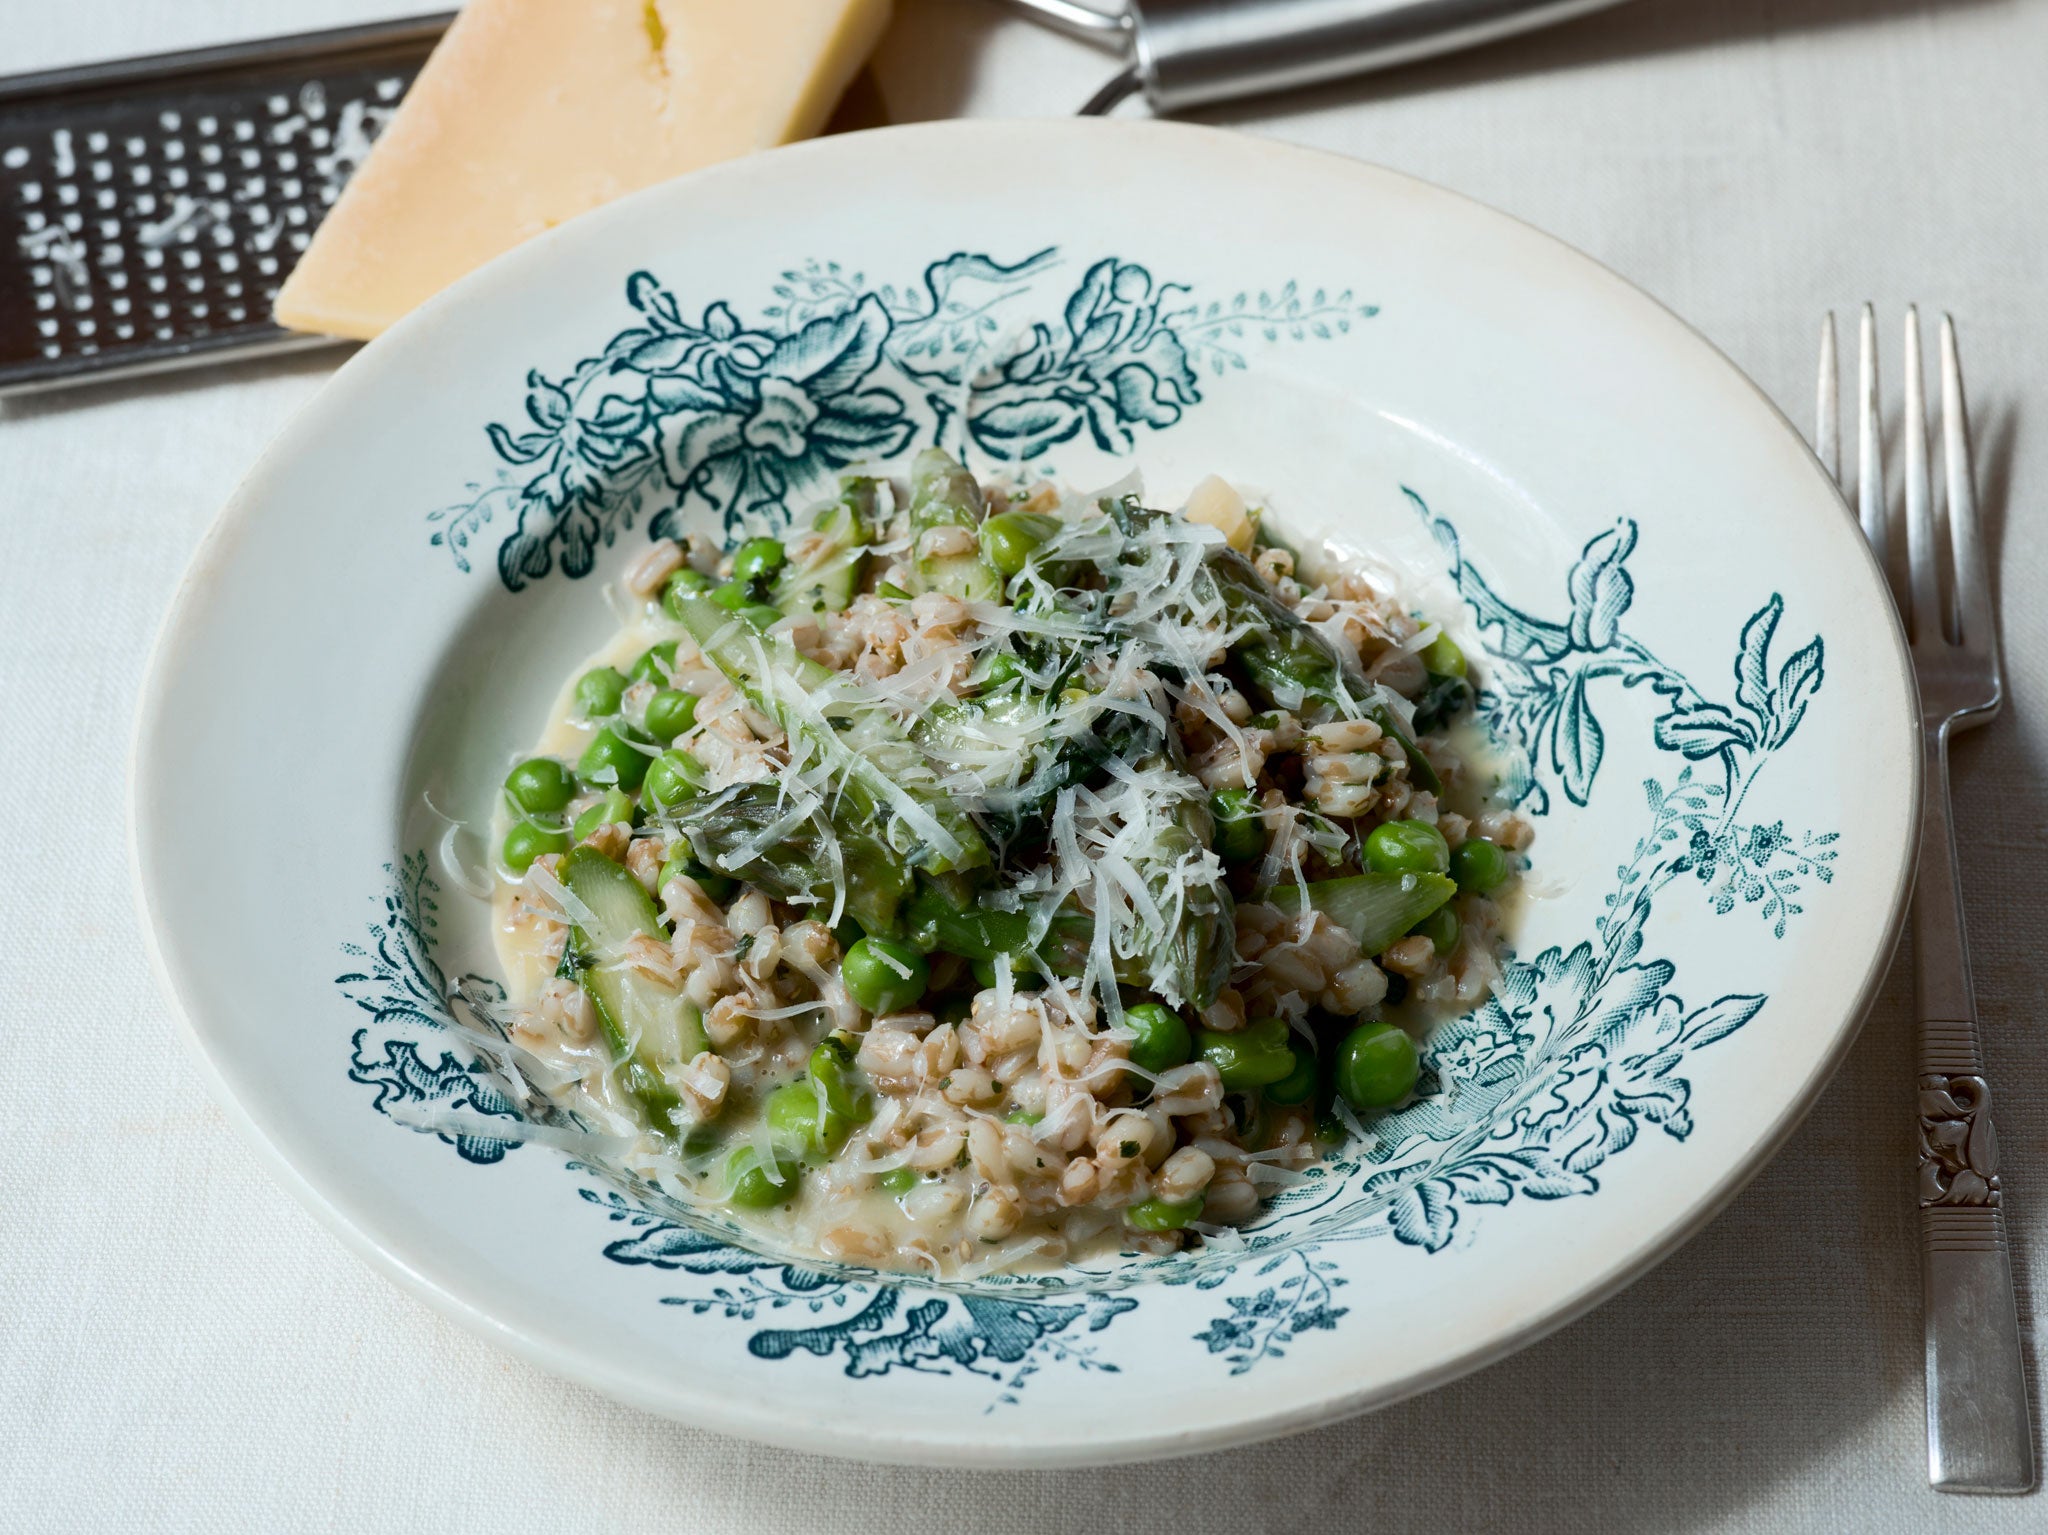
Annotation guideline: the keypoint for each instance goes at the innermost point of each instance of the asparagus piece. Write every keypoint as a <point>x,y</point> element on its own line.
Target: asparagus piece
<point>939,920</point>
<point>944,495</point>
<point>1191,963</point>
<point>1376,909</point>
<point>799,866</point>
<point>830,574</point>
<point>1285,658</point>
<point>885,775</point>
<point>653,1030</point>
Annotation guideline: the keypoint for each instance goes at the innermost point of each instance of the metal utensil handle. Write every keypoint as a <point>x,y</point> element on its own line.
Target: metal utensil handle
<point>1187,53</point>
<point>1978,1435</point>
<point>1190,52</point>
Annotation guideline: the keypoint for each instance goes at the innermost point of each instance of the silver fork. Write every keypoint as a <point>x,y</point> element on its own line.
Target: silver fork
<point>1978,1435</point>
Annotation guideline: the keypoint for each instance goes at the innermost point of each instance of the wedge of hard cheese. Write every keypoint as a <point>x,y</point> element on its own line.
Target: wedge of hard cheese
<point>533,111</point>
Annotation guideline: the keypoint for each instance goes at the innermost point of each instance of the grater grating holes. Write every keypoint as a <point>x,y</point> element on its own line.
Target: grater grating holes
<point>159,213</point>
<point>261,212</point>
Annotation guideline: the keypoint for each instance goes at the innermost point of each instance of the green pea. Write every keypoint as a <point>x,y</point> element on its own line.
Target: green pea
<point>831,1067</point>
<point>1000,670</point>
<point>657,663</point>
<point>613,807</point>
<point>884,976</point>
<point>684,583</point>
<point>1162,1041</point>
<point>527,840</point>
<point>898,1180</point>
<point>673,777</point>
<point>1165,1214</point>
<point>985,970</point>
<point>1442,657</point>
<point>717,887</point>
<point>761,616</point>
<point>1480,867</point>
<point>1440,927</point>
<point>734,595</point>
<point>598,692</point>
<point>794,1119</point>
<point>540,785</point>
<point>1407,847</point>
<point>670,712</point>
<point>1009,539</point>
<point>1377,1065</point>
<point>1254,1056</point>
<point>611,758</point>
<point>1022,1117</point>
<point>758,558</point>
<point>1299,1085</point>
<point>1240,833</point>
<point>747,1185</point>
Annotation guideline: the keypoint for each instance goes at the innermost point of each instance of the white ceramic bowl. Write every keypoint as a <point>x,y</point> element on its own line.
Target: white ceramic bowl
<point>1687,650</point>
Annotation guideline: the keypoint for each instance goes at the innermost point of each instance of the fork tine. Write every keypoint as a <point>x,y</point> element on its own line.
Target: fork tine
<point>1870,498</point>
<point>1923,613</point>
<point>1827,425</point>
<point>1977,626</point>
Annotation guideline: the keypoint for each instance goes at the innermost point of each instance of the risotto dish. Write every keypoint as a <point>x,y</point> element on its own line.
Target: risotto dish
<point>983,877</point>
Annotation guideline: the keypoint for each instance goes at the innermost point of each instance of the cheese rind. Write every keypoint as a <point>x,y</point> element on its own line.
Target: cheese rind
<point>533,111</point>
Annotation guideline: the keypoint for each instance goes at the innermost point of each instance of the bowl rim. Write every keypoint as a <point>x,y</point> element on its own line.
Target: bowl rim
<point>851,1438</point>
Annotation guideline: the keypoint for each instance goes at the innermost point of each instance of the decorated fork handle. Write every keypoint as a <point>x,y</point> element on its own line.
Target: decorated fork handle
<point>1978,1435</point>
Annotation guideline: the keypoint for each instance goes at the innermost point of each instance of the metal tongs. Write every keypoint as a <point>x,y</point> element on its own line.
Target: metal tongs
<point>1190,53</point>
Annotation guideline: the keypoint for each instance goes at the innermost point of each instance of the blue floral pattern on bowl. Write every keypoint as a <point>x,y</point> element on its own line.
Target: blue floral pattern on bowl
<point>747,419</point>
<point>1581,1049</point>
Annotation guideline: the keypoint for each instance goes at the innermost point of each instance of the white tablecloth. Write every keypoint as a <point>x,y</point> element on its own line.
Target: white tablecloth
<point>181,1347</point>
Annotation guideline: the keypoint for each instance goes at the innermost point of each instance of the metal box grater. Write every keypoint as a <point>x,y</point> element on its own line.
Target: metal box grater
<point>150,208</point>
